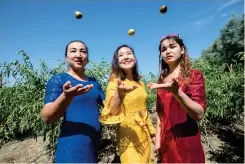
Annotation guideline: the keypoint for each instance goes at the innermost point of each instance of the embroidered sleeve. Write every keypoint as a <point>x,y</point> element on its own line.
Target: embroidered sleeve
<point>54,89</point>
<point>196,89</point>
<point>105,116</point>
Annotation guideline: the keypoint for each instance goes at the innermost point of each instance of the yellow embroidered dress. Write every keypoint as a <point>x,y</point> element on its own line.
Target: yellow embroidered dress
<point>135,126</point>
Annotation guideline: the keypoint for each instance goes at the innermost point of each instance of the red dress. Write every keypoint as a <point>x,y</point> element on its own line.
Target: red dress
<point>180,135</point>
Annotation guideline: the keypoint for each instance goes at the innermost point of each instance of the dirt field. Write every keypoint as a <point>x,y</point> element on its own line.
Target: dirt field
<point>227,146</point>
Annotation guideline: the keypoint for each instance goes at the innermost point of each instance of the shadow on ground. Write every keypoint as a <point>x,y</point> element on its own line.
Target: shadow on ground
<point>232,150</point>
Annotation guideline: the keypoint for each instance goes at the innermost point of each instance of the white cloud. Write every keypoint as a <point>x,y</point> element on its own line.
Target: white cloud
<point>208,10</point>
<point>227,4</point>
<point>212,12</point>
<point>204,20</point>
<point>198,22</point>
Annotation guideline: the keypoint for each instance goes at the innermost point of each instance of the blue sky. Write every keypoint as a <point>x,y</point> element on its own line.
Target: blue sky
<point>42,28</point>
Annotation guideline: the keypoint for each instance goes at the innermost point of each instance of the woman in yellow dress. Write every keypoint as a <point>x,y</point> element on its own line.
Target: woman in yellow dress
<point>125,105</point>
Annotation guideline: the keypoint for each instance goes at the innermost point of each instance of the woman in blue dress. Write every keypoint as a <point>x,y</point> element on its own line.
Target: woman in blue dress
<point>76,97</point>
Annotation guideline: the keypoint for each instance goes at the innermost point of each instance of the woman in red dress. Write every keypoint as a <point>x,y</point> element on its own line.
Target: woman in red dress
<point>181,102</point>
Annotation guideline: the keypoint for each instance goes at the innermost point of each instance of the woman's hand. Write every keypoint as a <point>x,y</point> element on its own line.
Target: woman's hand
<point>70,91</point>
<point>157,152</point>
<point>172,86</point>
<point>122,89</point>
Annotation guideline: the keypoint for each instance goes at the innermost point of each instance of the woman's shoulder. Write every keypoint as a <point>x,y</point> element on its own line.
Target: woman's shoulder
<point>112,80</point>
<point>58,75</point>
<point>58,78</point>
<point>195,71</point>
<point>196,75</point>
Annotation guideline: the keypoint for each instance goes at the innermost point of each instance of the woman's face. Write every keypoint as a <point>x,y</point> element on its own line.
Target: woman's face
<point>126,58</point>
<point>77,56</point>
<point>171,51</point>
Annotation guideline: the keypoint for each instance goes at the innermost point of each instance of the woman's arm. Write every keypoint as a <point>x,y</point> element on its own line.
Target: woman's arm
<point>194,109</point>
<point>52,112</point>
<point>116,102</point>
<point>194,102</point>
<point>117,99</point>
<point>158,127</point>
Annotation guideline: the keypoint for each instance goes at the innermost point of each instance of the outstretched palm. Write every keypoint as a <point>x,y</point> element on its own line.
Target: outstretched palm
<point>123,89</point>
<point>75,90</point>
<point>172,85</point>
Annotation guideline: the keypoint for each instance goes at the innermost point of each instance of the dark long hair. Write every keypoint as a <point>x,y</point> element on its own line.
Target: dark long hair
<point>117,72</point>
<point>79,42</point>
<point>185,63</point>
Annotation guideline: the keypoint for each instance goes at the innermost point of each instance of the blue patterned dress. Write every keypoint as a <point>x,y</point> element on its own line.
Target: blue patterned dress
<point>80,131</point>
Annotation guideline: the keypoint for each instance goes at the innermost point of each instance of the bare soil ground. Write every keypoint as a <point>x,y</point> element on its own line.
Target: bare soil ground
<point>226,146</point>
